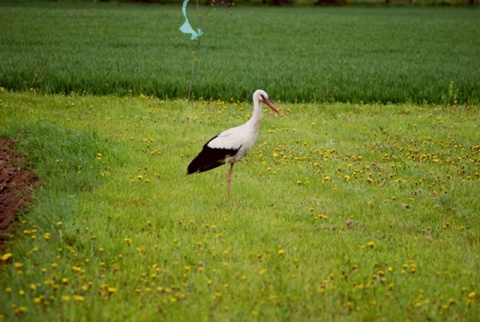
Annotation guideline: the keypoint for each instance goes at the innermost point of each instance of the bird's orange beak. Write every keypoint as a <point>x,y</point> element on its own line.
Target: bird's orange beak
<point>266,101</point>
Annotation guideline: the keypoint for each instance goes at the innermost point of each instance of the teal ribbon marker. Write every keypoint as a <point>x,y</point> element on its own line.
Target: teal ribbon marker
<point>186,28</point>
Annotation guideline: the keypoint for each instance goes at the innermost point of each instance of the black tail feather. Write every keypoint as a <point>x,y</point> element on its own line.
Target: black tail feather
<point>209,159</point>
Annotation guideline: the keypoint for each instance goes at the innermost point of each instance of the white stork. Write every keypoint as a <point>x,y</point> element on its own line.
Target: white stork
<point>232,145</point>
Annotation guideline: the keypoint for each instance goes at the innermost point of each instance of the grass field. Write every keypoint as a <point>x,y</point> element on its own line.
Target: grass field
<point>340,212</point>
<point>359,202</point>
<point>351,54</point>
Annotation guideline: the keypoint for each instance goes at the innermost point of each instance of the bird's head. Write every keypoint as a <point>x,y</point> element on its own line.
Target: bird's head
<point>262,97</point>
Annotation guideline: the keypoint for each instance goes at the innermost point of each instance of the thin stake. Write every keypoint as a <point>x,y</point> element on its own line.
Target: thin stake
<point>195,59</point>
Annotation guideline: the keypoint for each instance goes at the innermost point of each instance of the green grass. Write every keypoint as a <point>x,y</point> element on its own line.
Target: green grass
<point>350,54</point>
<point>340,212</point>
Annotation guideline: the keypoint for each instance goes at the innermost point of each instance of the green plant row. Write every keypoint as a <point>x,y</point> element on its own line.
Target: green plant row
<point>298,2</point>
<point>299,54</point>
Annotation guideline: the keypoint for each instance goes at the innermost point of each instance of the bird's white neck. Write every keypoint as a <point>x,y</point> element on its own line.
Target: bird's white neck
<point>256,117</point>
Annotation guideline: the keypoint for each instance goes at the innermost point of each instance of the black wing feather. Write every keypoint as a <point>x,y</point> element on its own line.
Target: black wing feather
<point>210,158</point>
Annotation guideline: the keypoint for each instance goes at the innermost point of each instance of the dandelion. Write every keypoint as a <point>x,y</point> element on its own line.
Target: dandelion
<point>370,244</point>
<point>6,256</point>
<point>20,310</point>
<point>413,268</point>
<point>128,241</point>
<point>281,252</point>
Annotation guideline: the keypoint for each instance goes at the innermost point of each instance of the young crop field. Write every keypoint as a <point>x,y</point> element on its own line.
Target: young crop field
<point>340,212</point>
<point>351,54</point>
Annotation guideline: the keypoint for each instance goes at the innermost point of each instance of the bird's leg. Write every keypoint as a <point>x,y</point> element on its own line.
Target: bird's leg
<point>229,179</point>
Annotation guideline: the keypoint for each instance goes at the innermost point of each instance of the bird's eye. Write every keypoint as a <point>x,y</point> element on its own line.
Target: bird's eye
<point>263,97</point>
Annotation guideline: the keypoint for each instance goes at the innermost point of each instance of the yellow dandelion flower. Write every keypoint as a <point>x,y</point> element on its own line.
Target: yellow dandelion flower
<point>20,310</point>
<point>281,252</point>
<point>6,256</point>
<point>413,268</point>
<point>471,295</point>
<point>79,298</point>
<point>371,244</point>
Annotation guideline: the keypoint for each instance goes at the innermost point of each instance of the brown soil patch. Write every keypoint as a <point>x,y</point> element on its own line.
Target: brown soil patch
<point>16,186</point>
